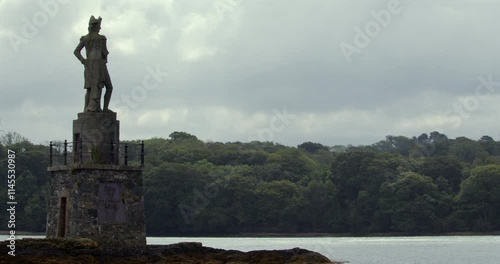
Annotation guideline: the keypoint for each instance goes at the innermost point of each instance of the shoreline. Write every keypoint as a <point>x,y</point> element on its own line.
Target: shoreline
<point>82,250</point>
<point>250,235</point>
<point>495,233</point>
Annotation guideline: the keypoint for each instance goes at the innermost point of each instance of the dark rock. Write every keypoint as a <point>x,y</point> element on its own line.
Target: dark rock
<point>87,251</point>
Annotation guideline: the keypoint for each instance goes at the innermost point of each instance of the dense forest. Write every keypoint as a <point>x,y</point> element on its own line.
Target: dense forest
<point>428,184</point>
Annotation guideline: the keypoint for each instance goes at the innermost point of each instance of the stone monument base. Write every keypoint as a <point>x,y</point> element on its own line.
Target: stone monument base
<point>95,137</point>
<point>101,202</point>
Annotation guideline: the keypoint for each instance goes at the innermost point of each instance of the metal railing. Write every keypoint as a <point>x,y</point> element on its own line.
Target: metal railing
<point>87,152</point>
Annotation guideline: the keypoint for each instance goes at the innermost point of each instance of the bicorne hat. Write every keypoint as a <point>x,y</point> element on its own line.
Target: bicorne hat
<point>94,21</point>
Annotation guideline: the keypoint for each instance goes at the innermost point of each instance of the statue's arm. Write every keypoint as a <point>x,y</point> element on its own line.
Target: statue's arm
<point>78,50</point>
<point>105,51</point>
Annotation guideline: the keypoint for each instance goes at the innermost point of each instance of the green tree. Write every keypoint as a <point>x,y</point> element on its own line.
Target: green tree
<point>294,164</point>
<point>177,135</point>
<point>358,176</point>
<point>11,138</point>
<point>154,149</point>
<point>441,144</point>
<point>479,198</point>
<point>468,151</point>
<point>488,145</point>
<point>280,206</point>
<point>167,187</point>
<point>238,199</point>
<point>185,150</point>
<point>323,207</point>
<point>311,147</point>
<point>411,203</point>
<point>446,172</point>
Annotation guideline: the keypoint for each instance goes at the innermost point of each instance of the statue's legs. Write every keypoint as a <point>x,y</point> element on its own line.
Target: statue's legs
<point>87,97</point>
<point>107,97</point>
<point>94,104</point>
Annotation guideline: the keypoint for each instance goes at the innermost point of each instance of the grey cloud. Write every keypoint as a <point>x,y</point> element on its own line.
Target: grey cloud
<point>266,55</point>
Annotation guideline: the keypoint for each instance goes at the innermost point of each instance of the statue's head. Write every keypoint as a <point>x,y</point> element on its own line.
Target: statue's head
<point>95,24</point>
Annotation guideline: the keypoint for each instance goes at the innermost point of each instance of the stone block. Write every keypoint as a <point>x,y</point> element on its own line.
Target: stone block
<point>84,218</point>
<point>95,137</point>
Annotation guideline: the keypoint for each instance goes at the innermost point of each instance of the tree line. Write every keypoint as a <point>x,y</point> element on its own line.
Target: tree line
<point>428,184</point>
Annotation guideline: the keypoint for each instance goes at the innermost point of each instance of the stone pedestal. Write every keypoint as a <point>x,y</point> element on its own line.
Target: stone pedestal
<point>101,202</point>
<point>95,197</point>
<point>95,138</point>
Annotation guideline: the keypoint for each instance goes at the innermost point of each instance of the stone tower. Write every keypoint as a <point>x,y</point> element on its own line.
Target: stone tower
<point>95,192</point>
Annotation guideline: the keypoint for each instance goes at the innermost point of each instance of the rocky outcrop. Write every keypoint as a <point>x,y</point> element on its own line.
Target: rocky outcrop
<point>196,253</point>
<point>86,251</point>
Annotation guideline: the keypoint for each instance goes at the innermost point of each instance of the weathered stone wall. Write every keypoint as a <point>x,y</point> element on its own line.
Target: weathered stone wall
<point>104,203</point>
<point>100,134</point>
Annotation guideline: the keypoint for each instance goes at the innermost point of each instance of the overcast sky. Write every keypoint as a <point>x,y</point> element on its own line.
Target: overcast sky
<point>289,71</point>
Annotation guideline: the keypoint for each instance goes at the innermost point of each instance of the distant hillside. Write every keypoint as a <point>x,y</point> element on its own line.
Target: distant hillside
<point>419,185</point>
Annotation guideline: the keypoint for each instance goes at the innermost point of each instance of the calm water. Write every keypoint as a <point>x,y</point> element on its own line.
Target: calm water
<point>356,250</point>
<point>397,250</point>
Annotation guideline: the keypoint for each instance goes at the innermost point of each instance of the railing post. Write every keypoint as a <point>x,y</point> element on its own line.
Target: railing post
<point>50,154</point>
<point>65,152</point>
<point>125,158</point>
<point>142,152</point>
<point>112,153</point>
<point>80,150</point>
